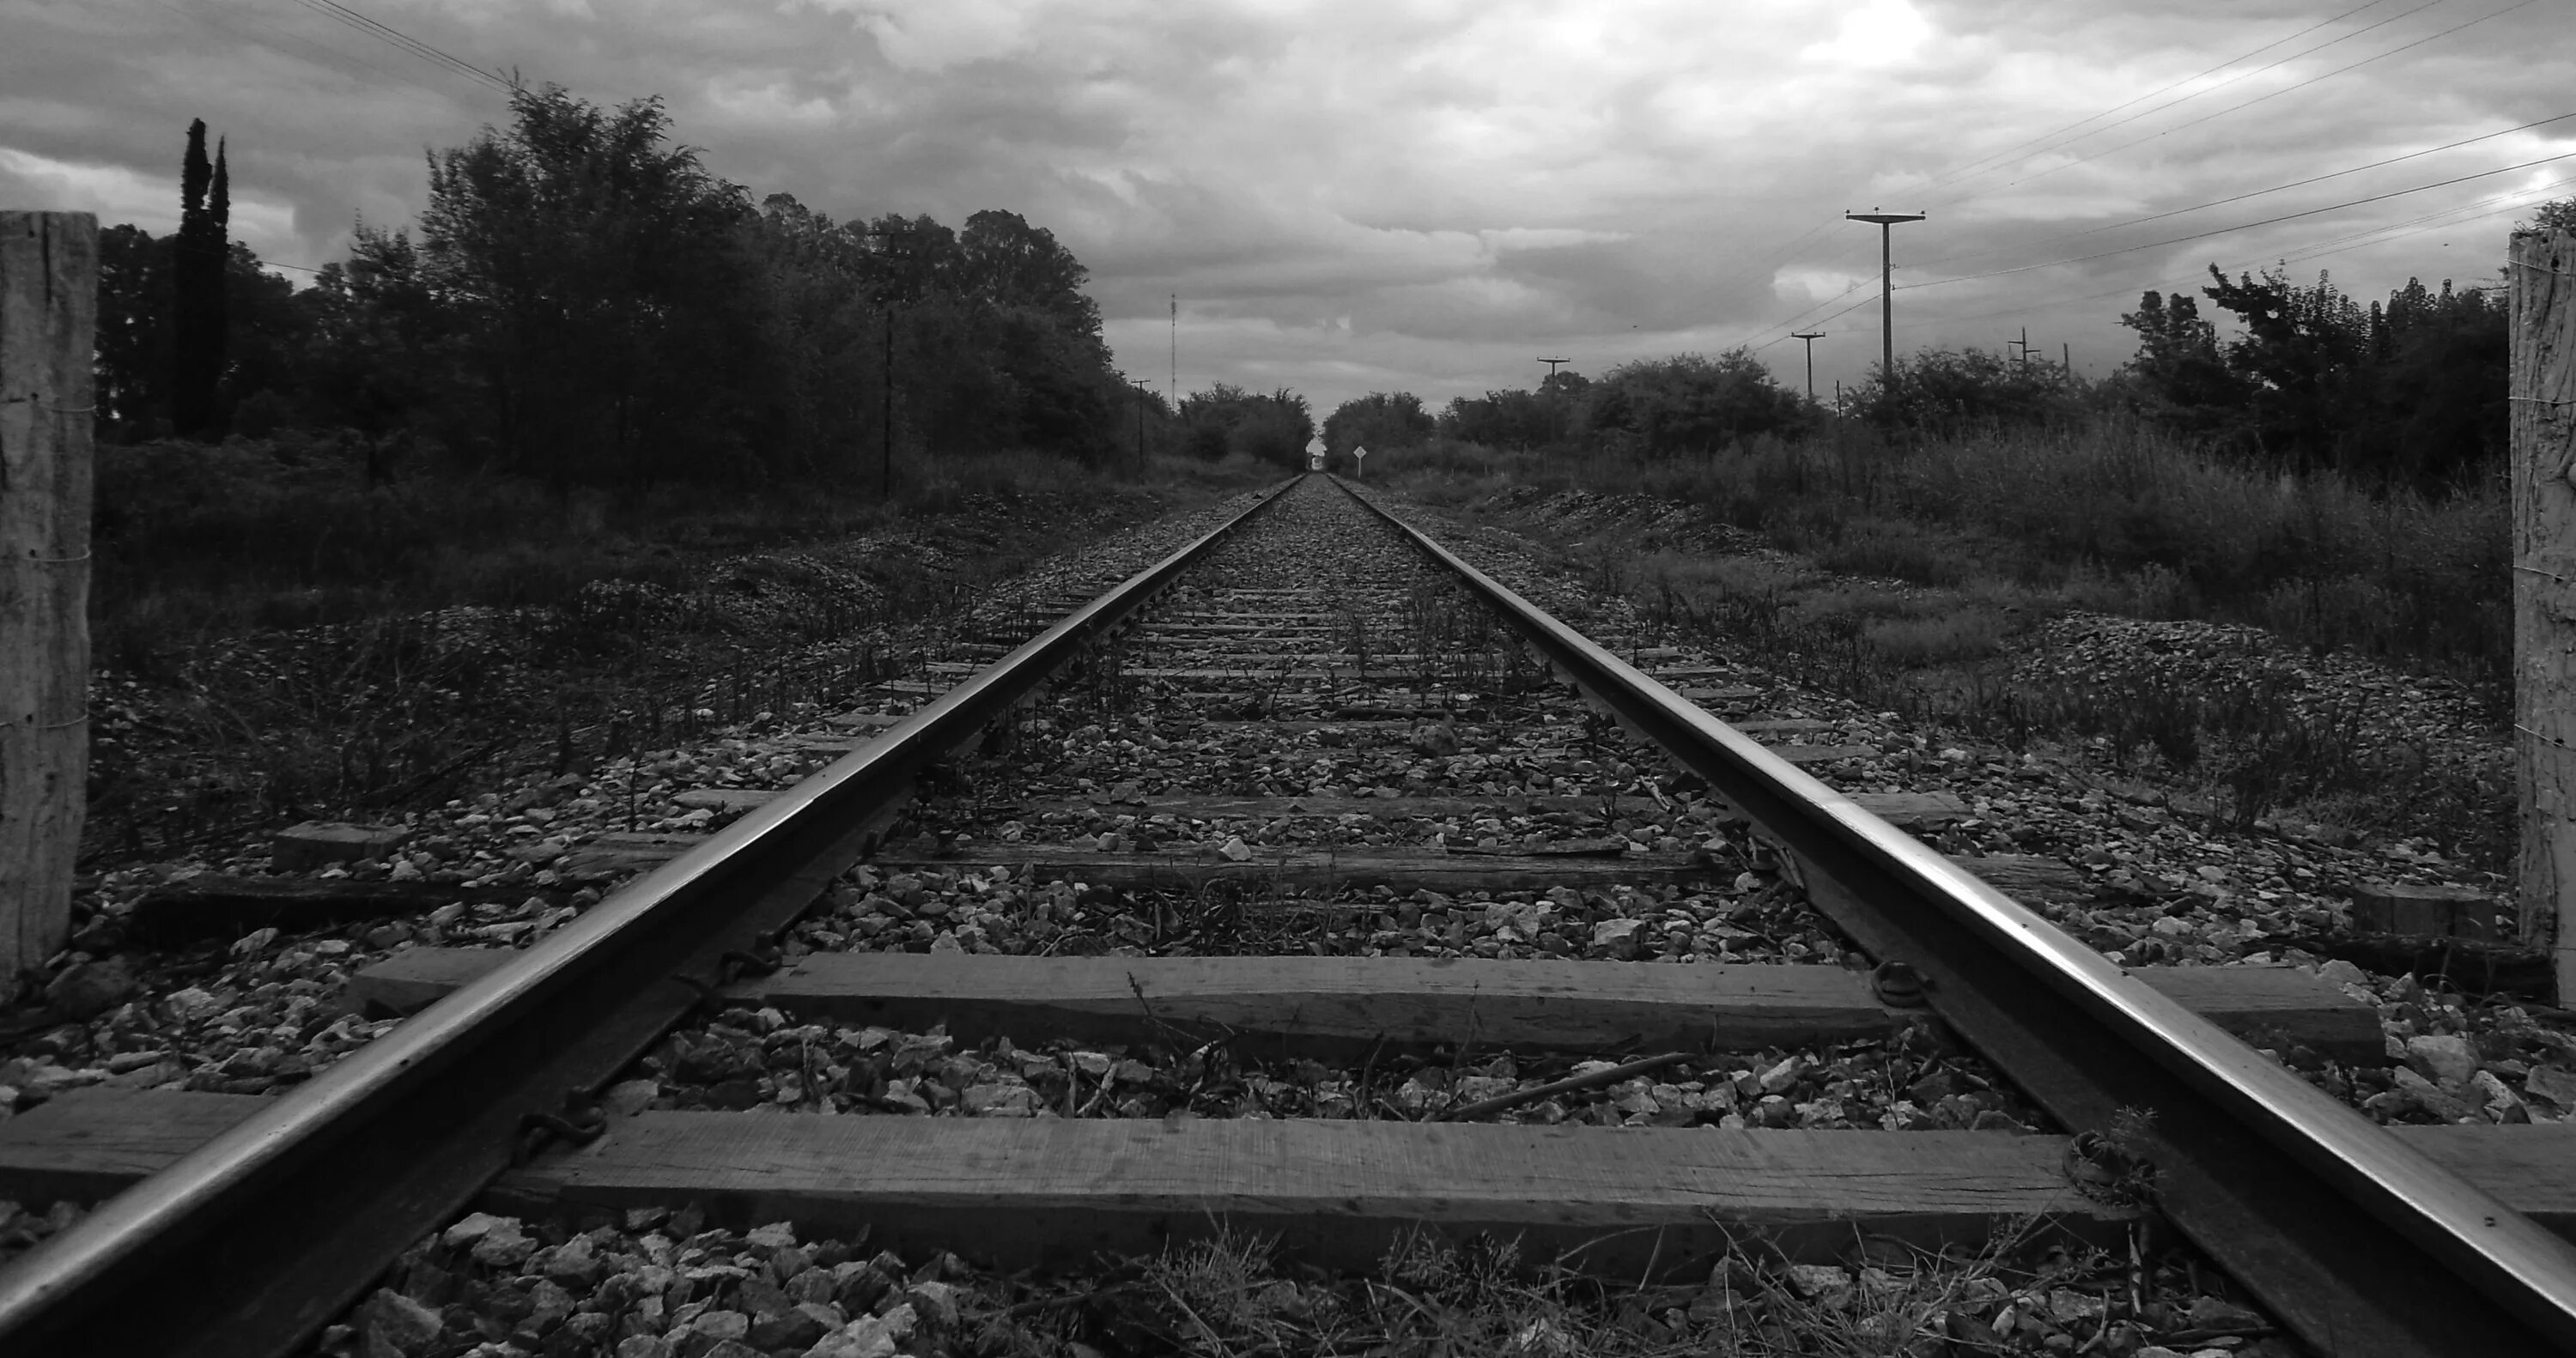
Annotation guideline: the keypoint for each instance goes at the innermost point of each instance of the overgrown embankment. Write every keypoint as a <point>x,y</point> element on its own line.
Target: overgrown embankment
<point>282,631</point>
<point>2110,515</point>
<point>2350,652</point>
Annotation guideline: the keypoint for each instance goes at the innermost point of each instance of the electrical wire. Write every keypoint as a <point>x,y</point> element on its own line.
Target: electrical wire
<point>1796,321</point>
<point>319,54</point>
<point>1960,175</point>
<point>2242,226</point>
<point>2254,193</point>
<point>1975,167</point>
<point>2234,108</point>
<point>426,52</point>
<point>2523,199</point>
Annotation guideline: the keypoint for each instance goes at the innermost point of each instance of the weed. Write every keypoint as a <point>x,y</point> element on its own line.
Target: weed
<point>2109,515</point>
<point>1226,1292</point>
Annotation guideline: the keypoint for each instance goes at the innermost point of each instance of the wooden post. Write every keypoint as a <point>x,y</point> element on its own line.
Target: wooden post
<point>48,322</point>
<point>2543,282</point>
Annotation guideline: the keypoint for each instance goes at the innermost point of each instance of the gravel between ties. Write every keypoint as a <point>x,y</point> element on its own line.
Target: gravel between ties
<point>263,1012</point>
<point>1100,745</point>
<point>1184,709</point>
<point>1081,775</point>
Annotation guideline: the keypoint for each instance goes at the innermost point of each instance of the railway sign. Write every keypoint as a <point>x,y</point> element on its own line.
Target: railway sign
<point>1359,458</point>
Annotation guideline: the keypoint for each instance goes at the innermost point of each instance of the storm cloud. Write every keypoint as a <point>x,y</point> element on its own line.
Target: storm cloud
<point>1415,195</point>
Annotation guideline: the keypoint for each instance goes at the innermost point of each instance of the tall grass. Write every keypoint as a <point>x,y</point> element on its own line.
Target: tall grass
<point>2110,514</point>
<point>196,540</point>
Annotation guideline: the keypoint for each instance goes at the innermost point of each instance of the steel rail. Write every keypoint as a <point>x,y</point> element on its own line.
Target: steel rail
<point>2360,1244</point>
<point>252,1243</point>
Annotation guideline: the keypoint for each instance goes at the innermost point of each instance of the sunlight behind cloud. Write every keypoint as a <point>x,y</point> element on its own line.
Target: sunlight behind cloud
<point>771,102</point>
<point>1879,33</point>
<point>1803,284</point>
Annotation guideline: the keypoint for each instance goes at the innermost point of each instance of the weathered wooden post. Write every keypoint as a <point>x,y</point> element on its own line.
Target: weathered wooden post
<point>48,320</point>
<point>2543,282</point>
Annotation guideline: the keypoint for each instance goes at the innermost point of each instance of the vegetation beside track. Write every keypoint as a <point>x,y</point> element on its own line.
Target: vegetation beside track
<point>278,640</point>
<point>2360,642</point>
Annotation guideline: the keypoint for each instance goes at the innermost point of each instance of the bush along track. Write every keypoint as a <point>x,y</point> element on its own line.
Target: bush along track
<point>1319,758</point>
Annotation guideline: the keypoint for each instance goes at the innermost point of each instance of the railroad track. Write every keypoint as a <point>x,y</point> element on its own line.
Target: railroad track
<point>1307,806</point>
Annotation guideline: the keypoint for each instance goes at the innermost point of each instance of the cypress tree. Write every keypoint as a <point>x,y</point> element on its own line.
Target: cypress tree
<point>197,289</point>
<point>219,324</point>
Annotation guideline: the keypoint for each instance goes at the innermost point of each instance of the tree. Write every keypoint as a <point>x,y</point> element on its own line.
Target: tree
<point>595,262</point>
<point>1378,421</point>
<point>583,302</point>
<point>2442,385</point>
<point>1227,419</point>
<point>264,344</point>
<point>134,366</point>
<point>197,289</point>
<point>2299,354</point>
<point>2412,390</point>
<point>1007,262</point>
<point>1953,390</point>
<point>2186,380</point>
<point>1564,385</point>
<point>2558,214</point>
<point>1513,419</point>
<point>1691,403</point>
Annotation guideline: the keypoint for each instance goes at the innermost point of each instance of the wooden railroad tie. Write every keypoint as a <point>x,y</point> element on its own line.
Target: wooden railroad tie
<point>1334,1007</point>
<point>1057,1191</point>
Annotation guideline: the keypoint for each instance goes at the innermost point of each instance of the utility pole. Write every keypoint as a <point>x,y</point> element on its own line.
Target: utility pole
<point>2066,360</point>
<point>1886,285</point>
<point>2542,420</point>
<point>48,330</point>
<point>1810,336</point>
<point>2023,344</point>
<point>1551,364</point>
<point>885,406</point>
<point>1176,351</point>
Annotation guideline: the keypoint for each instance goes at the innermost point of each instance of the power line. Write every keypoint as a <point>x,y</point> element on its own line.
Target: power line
<point>1802,317</point>
<point>1996,273</point>
<point>426,52</point>
<point>2233,108</point>
<point>317,53</point>
<point>2377,235</point>
<point>1972,166</point>
<point>2258,193</point>
<point>2242,226</point>
<point>2337,174</point>
<point>1793,322</point>
<point>1972,169</point>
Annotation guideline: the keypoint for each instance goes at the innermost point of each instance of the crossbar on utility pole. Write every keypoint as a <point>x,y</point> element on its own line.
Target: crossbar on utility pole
<point>1810,336</point>
<point>1552,362</point>
<point>48,331</point>
<point>1886,285</point>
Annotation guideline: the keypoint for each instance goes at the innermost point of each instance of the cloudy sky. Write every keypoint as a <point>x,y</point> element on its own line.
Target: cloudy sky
<point>1419,195</point>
